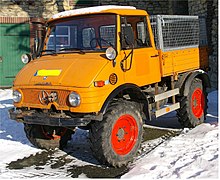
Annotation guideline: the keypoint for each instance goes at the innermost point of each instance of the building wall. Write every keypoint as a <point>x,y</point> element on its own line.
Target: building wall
<point>31,8</point>
<point>45,8</point>
<point>209,9</point>
<point>152,6</point>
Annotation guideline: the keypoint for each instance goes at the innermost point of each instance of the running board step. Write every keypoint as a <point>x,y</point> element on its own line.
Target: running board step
<point>167,109</point>
<point>165,95</point>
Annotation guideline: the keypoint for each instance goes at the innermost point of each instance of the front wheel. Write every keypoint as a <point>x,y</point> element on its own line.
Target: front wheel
<point>116,139</point>
<point>193,107</point>
<point>47,137</point>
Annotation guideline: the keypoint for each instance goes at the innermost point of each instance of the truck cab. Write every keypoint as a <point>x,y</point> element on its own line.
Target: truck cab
<point>74,56</point>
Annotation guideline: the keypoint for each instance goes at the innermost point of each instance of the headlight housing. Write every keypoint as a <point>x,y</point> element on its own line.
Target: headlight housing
<point>17,96</point>
<point>111,53</point>
<point>74,99</point>
<point>25,58</point>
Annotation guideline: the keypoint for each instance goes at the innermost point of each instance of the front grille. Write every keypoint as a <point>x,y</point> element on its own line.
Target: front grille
<point>31,96</point>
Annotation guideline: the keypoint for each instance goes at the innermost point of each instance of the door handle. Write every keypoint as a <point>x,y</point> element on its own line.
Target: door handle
<point>156,55</point>
<point>1,59</point>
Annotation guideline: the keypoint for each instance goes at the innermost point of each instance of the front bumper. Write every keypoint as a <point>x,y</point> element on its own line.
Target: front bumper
<point>51,119</point>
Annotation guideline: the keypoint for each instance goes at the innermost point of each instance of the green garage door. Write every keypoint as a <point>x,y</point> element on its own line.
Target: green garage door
<point>14,41</point>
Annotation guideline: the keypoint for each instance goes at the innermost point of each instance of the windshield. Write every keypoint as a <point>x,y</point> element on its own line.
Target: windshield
<point>85,34</point>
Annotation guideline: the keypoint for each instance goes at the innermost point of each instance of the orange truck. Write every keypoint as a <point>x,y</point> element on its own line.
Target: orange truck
<point>110,69</point>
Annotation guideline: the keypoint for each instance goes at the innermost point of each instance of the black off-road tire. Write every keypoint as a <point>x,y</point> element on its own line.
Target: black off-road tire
<point>37,137</point>
<point>193,107</point>
<point>116,139</point>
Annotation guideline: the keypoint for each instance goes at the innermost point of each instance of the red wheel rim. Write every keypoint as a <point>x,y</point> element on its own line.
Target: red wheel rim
<point>124,134</point>
<point>198,103</point>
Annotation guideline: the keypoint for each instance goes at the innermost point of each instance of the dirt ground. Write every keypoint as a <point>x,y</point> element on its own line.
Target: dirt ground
<point>77,160</point>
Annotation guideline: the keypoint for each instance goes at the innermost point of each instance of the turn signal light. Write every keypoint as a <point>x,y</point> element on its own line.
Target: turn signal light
<point>99,83</point>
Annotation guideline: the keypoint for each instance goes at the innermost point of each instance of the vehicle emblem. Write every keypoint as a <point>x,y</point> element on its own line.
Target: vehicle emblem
<point>43,97</point>
<point>45,77</point>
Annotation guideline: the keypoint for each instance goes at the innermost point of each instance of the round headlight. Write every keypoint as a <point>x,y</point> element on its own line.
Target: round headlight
<point>25,58</point>
<point>17,96</point>
<point>111,53</point>
<point>74,99</point>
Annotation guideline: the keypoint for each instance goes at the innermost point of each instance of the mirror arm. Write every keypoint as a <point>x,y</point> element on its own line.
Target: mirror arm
<point>114,62</point>
<point>125,58</point>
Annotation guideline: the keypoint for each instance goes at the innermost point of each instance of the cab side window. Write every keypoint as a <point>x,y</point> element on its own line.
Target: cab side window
<point>142,34</point>
<point>140,30</point>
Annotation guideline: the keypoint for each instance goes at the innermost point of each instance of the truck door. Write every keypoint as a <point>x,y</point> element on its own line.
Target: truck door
<point>139,60</point>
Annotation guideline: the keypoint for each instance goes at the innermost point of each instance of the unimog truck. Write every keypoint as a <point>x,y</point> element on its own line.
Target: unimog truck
<point>110,69</point>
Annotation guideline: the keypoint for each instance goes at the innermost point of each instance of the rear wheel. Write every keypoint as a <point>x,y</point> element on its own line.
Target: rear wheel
<point>193,107</point>
<point>116,139</point>
<point>47,137</point>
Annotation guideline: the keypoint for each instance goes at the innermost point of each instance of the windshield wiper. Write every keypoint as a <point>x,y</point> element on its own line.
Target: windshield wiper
<point>49,50</point>
<point>72,49</point>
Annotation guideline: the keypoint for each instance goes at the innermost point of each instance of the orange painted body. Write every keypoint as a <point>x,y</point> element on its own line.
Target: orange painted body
<point>178,61</point>
<point>78,72</point>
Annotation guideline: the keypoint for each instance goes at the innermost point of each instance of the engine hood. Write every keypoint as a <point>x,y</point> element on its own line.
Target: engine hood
<point>77,70</point>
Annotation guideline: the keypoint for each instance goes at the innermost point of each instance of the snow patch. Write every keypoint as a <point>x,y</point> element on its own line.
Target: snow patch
<point>193,154</point>
<point>5,94</point>
<point>82,176</point>
<point>12,150</point>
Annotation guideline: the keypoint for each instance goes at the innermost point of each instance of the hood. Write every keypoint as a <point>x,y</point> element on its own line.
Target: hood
<point>77,70</point>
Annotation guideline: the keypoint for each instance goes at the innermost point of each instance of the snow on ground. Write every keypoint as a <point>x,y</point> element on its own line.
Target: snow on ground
<point>11,135</point>
<point>13,142</point>
<point>193,154</point>
<point>190,155</point>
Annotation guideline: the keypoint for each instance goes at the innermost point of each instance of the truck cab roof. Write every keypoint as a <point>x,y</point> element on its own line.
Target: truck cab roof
<point>121,10</point>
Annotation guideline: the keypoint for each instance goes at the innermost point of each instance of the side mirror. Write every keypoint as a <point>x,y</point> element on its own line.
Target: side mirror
<point>127,36</point>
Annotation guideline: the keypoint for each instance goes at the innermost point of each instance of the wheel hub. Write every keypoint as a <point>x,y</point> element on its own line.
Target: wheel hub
<point>120,134</point>
<point>124,134</point>
<point>198,103</point>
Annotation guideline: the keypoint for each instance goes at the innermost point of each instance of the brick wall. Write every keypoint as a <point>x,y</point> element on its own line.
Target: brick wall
<point>14,20</point>
<point>40,8</point>
<point>152,6</point>
<point>209,9</point>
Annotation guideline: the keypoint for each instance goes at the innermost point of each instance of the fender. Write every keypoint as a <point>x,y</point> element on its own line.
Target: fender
<point>131,89</point>
<point>196,74</point>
